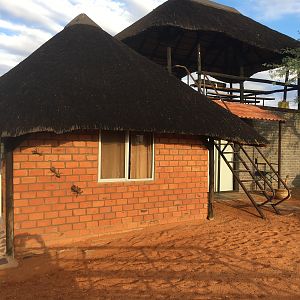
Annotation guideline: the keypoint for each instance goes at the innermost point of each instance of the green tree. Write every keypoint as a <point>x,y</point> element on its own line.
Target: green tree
<point>289,68</point>
<point>290,63</point>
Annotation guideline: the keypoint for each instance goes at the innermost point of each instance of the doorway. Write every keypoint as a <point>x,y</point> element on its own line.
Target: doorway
<point>223,175</point>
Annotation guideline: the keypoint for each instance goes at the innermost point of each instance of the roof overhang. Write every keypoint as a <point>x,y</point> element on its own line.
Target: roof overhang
<point>246,111</point>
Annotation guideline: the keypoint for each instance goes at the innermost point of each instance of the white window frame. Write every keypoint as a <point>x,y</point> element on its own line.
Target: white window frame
<point>127,150</point>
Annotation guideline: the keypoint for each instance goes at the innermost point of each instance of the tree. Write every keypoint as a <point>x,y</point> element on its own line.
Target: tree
<point>290,63</point>
<point>289,68</point>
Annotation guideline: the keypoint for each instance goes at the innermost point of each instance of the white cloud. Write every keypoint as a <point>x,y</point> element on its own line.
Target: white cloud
<point>27,24</point>
<point>272,9</point>
<point>143,7</point>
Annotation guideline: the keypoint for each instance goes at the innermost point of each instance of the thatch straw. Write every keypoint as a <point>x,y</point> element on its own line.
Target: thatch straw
<point>83,78</point>
<point>228,39</point>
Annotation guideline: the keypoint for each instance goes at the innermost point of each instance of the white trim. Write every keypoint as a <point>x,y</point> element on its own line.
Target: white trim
<point>1,154</point>
<point>127,151</point>
<point>153,158</point>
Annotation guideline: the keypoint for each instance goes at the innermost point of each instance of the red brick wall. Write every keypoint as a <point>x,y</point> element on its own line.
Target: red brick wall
<point>47,210</point>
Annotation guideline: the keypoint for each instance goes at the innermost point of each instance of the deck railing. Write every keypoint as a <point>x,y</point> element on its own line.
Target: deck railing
<point>236,92</point>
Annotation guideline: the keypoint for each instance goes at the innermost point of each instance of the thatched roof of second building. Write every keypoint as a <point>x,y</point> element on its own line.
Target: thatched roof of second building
<point>228,39</point>
<point>83,78</point>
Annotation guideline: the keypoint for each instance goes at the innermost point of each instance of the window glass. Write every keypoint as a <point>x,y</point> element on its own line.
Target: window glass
<point>112,154</point>
<point>141,147</point>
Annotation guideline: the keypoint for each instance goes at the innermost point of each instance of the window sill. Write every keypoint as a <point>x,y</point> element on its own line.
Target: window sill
<point>123,180</point>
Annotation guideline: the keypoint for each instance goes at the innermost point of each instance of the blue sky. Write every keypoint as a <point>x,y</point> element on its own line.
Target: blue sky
<point>27,24</point>
<point>281,15</point>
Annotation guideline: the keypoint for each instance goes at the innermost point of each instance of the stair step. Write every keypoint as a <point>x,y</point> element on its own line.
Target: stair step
<point>242,171</point>
<point>234,152</point>
<point>248,180</point>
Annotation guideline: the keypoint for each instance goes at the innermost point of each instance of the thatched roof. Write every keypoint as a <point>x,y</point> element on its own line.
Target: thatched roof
<point>83,78</point>
<point>228,39</point>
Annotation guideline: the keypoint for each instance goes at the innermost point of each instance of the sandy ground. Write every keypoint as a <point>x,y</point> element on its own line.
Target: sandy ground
<point>236,256</point>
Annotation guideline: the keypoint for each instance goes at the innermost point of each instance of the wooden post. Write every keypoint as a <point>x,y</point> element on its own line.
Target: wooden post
<point>9,197</point>
<point>242,87</point>
<point>219,170</point>
<point>169,59</point>
<point>298,83</point>
<point>236,166</point>
<point>211,170</point>
<point>279,151</point>
<point>199,66</point>
<point>285,88</point>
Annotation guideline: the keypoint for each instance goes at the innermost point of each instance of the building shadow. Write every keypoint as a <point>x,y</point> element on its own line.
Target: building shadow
<point>296,181</point>
<point>131,269</point>
<point>39,274</point>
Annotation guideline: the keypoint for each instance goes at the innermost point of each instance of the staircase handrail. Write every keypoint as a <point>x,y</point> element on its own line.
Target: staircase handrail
<point>278,176</point>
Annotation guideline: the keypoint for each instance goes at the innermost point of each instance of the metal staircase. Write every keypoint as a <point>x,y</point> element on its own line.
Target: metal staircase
<point>243,163</point>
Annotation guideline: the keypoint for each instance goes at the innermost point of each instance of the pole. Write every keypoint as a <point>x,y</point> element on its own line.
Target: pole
<point>242,87</point>
<point>9,198</point>
<point>169,59</point>
<point>219,171</point>
<point>211,170</point>
<point>285,88</point>
<point>1,170</point>
<point>199,66</point>
<point>279,151</point>
<point>239,78</point>
<point>298,98</point>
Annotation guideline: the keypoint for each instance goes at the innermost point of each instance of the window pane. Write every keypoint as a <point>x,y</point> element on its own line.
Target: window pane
<point>140,155</point>
<point>112,154</point>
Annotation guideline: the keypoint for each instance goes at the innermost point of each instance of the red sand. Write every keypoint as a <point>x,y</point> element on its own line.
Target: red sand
<point>236,256</point>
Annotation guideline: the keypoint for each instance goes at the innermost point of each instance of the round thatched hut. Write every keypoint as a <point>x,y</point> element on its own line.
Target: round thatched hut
<point>99,139</point>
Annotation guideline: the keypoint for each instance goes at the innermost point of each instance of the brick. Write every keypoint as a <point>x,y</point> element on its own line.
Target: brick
<point>79,226</point>
<point>73,219</point>
<point>43,223</point>
<point>105,209</point>
<point>36,216</point>
<point>64,157</point>
<point>58,221</point>
<point>65,227</point>
<point>28,224</point>
<point>79,212</point>
<point>78,144</point>
<point>72,164</point>
<point>79,157</point>
<point>85,218</point>
<point>20,173</point>
<point>51,214</point>
<point>43,165</point>
<point>108,216</point>
<point>28,195</point>
<point>65,213</point>
<point>180,189</point>
<point>43,194</point>
<point>21,203</point>
<point>92,211</point>
<point>58,151</point>
<point>21,158</point>
<point>20,218</point>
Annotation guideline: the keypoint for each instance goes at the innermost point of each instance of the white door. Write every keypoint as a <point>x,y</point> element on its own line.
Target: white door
<point>223,175</point>
<point>1,155</point>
